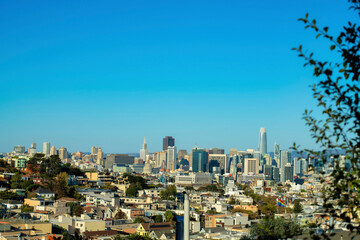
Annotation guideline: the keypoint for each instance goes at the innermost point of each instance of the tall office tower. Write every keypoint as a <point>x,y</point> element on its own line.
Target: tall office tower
<point>216,151</point>
<point>304,165</point>
<point>288,173</point>
<point>251,166</point>
<point>94,150</point>
<point>19,149</point>
<point>298,166</point>
<point>171,158</point>
<point>233,151</point>
<point>199,160</point>
<point>218,160</point>
<point>262,141</point>
<point>268,159</point>
<point>267,170</point>
<point>100,156</point>
<point>144,151</point>
<point>159,158</point>
<point>33,146</point>
<point>46,148</point>
<point>277,154</point>
<point>181,154</point>
<point>275,174</point>
<point>285,159</point>
<point>168,141</point>
<point>53,151</point>
<point>63,153</point>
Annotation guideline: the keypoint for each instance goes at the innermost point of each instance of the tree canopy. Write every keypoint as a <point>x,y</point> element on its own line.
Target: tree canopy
<point>337,127</point>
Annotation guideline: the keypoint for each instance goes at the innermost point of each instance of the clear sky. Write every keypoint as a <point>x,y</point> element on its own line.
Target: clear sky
<point>108,73</point>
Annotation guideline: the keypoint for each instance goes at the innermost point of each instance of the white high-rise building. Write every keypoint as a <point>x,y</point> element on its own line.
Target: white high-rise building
<point>33,145</point>
<point>94,150</point>
<point>171,158</point>
<point>144,151</point>
<point>46,148</point>
<point>277,154</point>
<point>262,141</point>
<point>251,166</point>
<point>100,156</point>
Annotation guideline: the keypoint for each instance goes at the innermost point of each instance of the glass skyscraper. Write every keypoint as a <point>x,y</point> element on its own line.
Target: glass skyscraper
<point>262,141</point>
<point>199,160</point>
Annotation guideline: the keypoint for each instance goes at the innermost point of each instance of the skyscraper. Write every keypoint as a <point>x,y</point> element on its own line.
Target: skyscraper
<point>94,150</point>
<point>285,159</point>
<point>144,151</point>
<point>19,149</point>
<point>63,153</point>
<point>288,173</point>
<point>262,141</point>
<point>100,156</point>
<point>251,166</point>
<point>199,160</point>
<point>277,154</point>
<point>46,148</point>
<point>33,145</point>
<point>168,141</point>
<point>53,151</point>
<point>171,158</point>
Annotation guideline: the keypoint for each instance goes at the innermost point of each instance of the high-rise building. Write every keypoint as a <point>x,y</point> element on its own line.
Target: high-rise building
<point>262,141</point>
<point>285,159</point>
<point>199,160</point>
<point>94,150</point>
<point>33,145</point>
<point>19,149</point>
<point>288,173</point>
<point>171,158</point>
<point>63,153</point>
<point>251,166</point>
<point>216,151</point>
<point>100,156</point>
<point>233,151</point>
<point>144,151</point>
<point>277,154</point>
<point>181,154</point>
<point>267,170</point>
<point>275,174</point>
<point>218,160</point>
<point>46,148</point>
<point>168,141</point>
<point>159,158</point>
<point>53,151</point>
<point>300,166</point>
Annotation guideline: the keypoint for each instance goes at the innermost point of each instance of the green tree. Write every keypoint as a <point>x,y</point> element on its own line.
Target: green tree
<point>158,218</point>
<point>232,200</point>
<point>336,91</point>
<point>169,216</point>
<point>138,237</point>
<point>139,220</point>
<point>168,192</point>
<point>274,229</point>
<point>297,207</point>
<point>75,209</point>
<point>9,195</point>
<point>26,208</point>
<point>132,190</point>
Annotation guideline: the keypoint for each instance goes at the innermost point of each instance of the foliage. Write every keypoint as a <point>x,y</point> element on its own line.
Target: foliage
<point>75,209</point>
<point>169,216</point>
<point>232,200</point>
<point>298,208</point>
<point>9,195</point>
<point>8,167</point>
<point>189,188</point>
<point>26,208</point>
<point>158,218</point>
<point>120,215</point>
<point>139,220</point>
<point>273,229</point>
<point>109,187</point>
<point>133,179</point>
<point>132,190</point>
<point>168,193</point>
<point>337,92</point>
<point>211,188</point>
<point>70,170</point>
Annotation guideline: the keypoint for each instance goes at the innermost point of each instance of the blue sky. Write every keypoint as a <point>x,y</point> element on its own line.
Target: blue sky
<point>211,73</point>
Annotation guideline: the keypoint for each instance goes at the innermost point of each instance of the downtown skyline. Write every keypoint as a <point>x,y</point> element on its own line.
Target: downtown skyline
<point>210,74</point>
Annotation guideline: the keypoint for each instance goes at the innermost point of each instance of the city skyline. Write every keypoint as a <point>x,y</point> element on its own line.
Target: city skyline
<point>210,74</point>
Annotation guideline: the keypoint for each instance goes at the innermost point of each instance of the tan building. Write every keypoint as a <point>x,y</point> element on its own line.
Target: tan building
<point>251,166</point>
